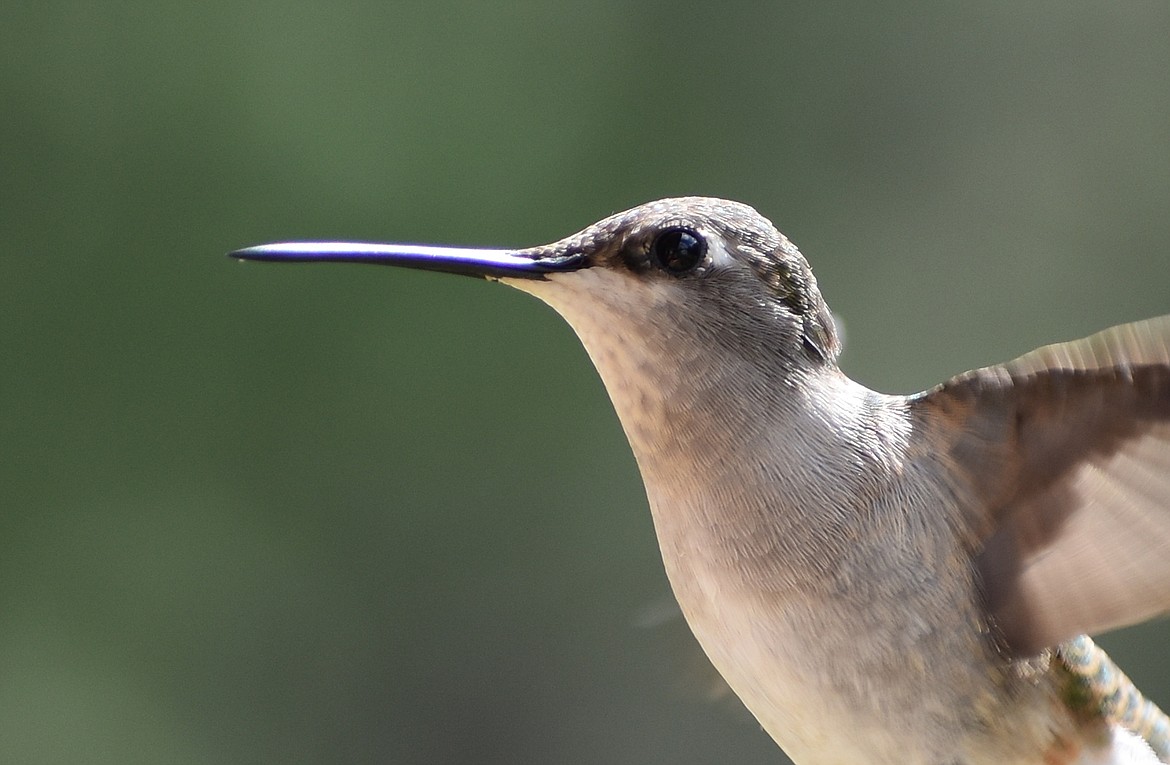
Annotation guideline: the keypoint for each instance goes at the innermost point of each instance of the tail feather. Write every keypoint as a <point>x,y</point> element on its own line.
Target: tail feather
<point>1104,689</point>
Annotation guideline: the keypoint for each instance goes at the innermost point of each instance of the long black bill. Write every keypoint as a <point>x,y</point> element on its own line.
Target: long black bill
<point>452,260</point>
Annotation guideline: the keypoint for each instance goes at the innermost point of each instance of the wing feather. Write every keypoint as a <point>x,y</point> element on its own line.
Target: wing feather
<point>1068,450</point>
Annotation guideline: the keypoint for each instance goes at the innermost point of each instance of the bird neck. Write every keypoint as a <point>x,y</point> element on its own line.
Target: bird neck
<point>739,432</point>
<point>737,451</point>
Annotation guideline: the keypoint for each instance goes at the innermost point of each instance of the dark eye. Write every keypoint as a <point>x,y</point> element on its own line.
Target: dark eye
<point>678,249</point>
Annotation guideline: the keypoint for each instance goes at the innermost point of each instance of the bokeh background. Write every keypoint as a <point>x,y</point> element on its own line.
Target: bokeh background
<point>331,514</point>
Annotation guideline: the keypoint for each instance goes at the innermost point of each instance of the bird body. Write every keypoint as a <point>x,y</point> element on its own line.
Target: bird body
<point>880,578</point>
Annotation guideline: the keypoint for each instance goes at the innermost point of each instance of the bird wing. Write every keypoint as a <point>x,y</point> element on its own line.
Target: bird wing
<point>1067,449</point>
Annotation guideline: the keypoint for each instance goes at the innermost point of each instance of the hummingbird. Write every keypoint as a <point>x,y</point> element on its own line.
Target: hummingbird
<point>904,579</point>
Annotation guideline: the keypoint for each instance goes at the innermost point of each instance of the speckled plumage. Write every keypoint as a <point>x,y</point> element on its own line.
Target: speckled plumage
<point>1098,688</point>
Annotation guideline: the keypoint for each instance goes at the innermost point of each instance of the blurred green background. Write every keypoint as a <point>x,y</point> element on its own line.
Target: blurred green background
<point>341,514</point>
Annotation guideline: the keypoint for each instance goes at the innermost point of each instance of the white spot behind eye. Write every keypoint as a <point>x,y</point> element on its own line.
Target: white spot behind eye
<point>717,251</point>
